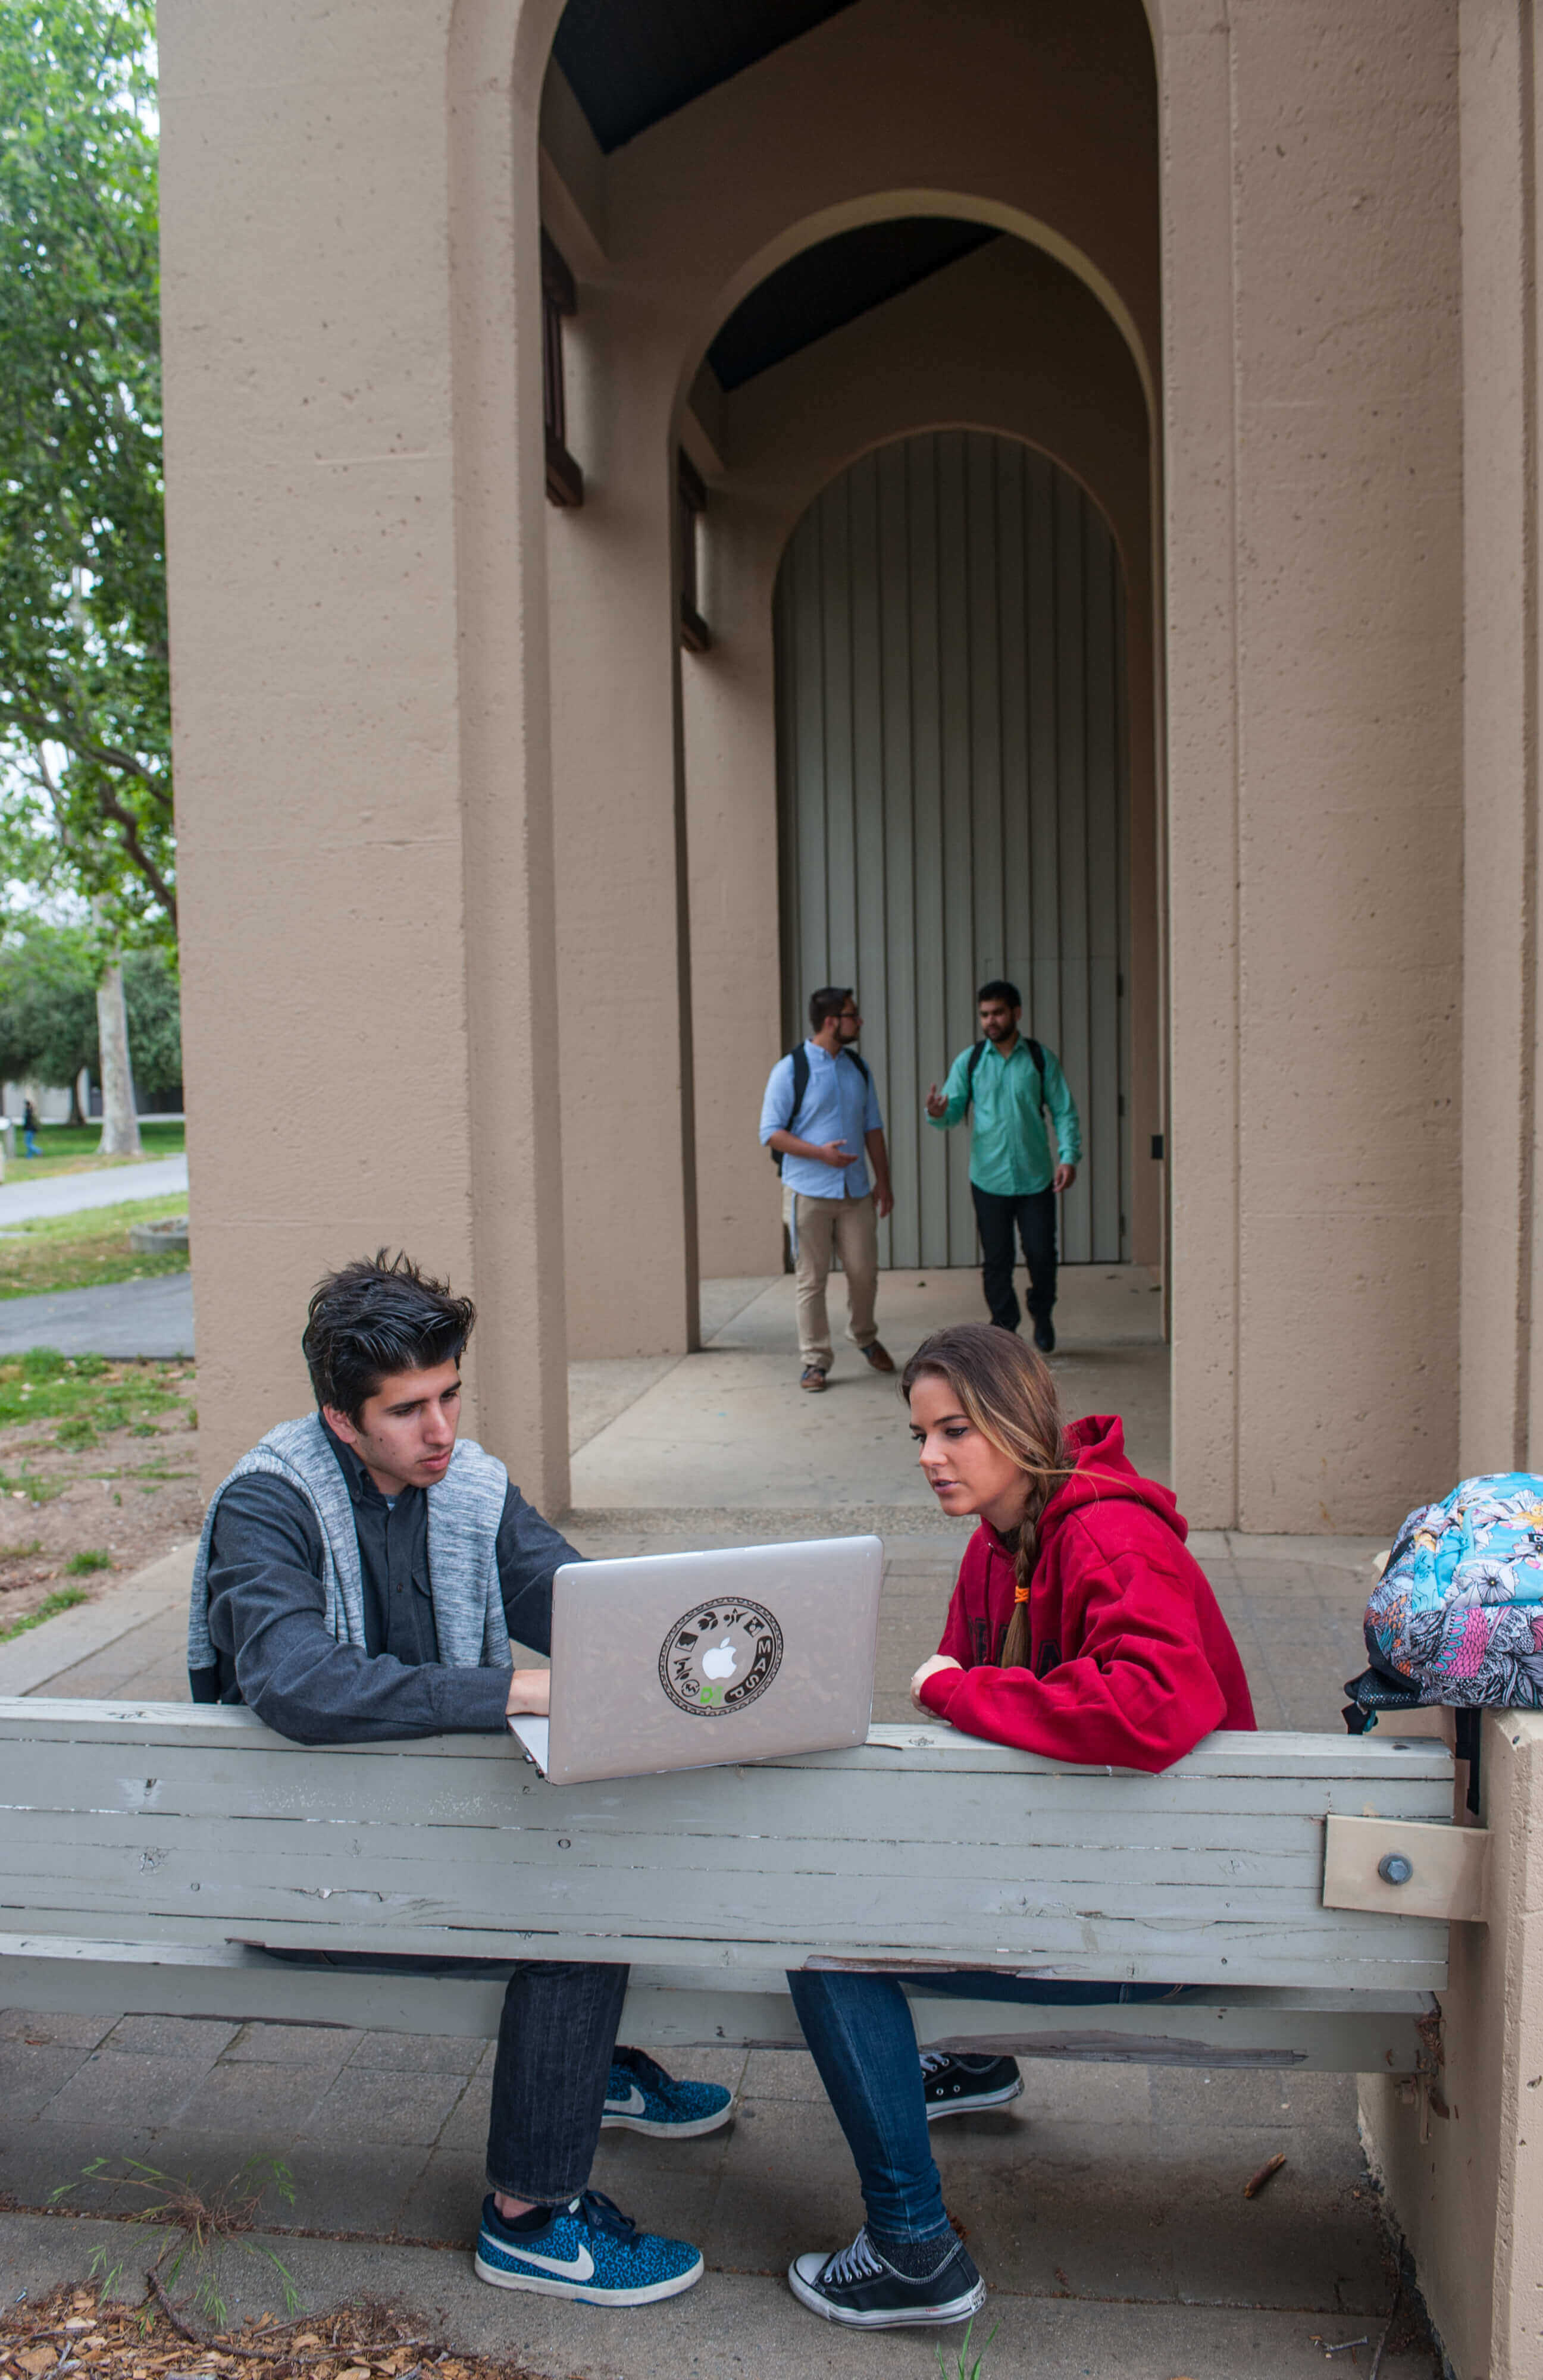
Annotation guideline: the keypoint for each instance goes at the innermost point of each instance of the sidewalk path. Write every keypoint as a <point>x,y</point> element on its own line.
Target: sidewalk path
<point>126,1317</point>
<point>729,1426</point>
<point>68,1193</point>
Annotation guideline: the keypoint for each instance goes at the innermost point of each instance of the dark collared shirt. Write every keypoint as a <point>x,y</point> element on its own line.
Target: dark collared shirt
<point>267,1607</point>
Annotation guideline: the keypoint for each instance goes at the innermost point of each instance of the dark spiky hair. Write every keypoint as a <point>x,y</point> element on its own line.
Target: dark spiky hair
<point>378,1316</point>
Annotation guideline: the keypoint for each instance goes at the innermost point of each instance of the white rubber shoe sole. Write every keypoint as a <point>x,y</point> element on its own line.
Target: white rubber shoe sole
<point>973,2106</point>
<point>580,2293</point>
<point>895,2318</point>
<point>668,2132</point>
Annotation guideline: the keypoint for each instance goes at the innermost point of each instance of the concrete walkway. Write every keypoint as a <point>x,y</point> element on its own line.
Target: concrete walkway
<point>70,1194</point>
<point>1105,2206</point>
<point>123,1318</point>
<point>730,1429</point>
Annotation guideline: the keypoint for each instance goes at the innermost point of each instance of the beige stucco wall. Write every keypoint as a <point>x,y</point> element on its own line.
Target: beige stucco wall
<point>623,927</point>
<point>1315,656</point>
<point>1007,340</point>
<point>358,641</point>
<point>380,945</point>
<point>1501,1406</point>
<point>1469,2197</point>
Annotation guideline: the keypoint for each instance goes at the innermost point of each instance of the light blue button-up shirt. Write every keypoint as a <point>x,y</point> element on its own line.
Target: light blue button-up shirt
<point>839,1104</point>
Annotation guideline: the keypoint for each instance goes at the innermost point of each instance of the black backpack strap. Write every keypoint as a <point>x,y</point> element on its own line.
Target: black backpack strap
<point>860,1063</point>
<point>1037,1058</point>
<point>800,1057</point>
<point>975,1056</point>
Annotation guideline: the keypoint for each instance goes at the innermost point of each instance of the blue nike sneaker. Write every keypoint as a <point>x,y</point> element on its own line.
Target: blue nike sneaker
<point>640,2097</point>
<point>588,2250</point>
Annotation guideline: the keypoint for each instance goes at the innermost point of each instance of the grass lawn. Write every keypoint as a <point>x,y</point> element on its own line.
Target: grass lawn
<point>83,1251</point>
<point>98,1474</point>
<point>71,1149</point>
<point>86,1395</point>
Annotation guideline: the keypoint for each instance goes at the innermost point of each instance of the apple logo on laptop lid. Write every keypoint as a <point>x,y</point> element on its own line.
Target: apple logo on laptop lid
<point>720,1657</point>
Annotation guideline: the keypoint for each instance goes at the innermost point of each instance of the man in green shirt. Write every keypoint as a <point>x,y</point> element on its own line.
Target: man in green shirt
<point>1012,1179</point>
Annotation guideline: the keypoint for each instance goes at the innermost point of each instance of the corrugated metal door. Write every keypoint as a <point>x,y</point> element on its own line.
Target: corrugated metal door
<point>952,741</point>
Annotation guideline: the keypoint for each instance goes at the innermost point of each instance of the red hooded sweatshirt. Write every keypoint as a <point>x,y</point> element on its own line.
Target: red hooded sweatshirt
<point>1132,1662</point>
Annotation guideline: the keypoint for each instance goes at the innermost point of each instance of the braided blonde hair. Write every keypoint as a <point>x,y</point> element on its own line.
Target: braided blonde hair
<point>1008,1395</point>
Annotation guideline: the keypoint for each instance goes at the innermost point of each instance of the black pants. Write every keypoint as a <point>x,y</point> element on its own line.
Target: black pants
<point>1034,1216</point>
<point>555,2045</point>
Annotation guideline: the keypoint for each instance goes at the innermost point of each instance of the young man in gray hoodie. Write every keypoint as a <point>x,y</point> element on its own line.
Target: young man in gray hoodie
<point>359,1576</point>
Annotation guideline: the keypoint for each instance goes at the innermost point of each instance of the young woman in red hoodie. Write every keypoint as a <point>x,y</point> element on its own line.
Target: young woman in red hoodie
<point>1080,1628</point>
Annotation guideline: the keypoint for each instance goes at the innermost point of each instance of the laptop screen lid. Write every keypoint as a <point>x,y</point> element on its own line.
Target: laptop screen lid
<point>690,1660</point>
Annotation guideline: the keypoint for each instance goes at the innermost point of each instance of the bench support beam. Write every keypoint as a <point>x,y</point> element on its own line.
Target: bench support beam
<point>670,2009</point>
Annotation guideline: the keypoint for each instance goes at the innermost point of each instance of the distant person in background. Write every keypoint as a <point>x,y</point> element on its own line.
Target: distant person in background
<point>1014,1180</point>
<point>30,1130</point>
<point>819,1113</point>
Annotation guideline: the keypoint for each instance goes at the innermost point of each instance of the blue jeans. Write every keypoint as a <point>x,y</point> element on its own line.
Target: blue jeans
<point>861,2037</point>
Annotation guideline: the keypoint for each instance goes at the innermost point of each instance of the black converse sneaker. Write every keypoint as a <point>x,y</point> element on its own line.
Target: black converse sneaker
<point>958,2086</point>
<point>859,2285</point>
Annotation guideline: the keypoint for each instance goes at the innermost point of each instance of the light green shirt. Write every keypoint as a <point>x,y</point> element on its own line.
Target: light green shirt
<point>1009,1153</point>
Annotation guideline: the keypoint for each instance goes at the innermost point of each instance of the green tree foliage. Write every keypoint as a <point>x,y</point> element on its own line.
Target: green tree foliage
<point>48,977</point>
<point>47,1004</point>
<point>152,990</point>
<point>83,663</point>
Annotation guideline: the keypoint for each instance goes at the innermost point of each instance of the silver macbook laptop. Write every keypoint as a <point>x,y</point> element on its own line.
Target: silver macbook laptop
<point>688,1660</point>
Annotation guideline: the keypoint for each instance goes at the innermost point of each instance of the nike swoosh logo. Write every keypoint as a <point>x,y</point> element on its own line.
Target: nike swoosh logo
<point>633,2105</point>
<point>572,2269</point>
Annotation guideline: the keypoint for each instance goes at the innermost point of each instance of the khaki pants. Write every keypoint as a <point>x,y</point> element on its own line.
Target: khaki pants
<point>850,1228</point>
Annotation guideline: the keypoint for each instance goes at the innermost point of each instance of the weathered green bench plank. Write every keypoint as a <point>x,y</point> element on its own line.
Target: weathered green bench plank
<point>133,1820</point>
<point>675,2008</point>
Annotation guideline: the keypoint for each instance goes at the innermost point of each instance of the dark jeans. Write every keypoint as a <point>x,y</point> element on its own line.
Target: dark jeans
<point>861,2037</point>
<point>1034,1216</point>
<point>555,2041</point>
<point>556,2038</point>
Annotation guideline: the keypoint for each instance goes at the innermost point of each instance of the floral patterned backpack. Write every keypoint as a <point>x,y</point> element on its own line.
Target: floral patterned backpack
<point>1457,1615</point>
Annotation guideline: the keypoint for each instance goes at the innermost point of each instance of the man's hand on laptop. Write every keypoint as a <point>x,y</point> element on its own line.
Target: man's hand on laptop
<point>529,1694</point>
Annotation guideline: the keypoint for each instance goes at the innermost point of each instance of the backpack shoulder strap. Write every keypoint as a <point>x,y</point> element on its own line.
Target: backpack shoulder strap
<point>1036,1056</point>
<point>860,1063</point>
<point>975,1056</point>
<point>800,1057</point>
<point>799,1060</point>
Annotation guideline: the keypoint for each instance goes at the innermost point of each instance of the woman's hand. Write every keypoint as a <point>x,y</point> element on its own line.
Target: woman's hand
<point>928,1669</point>
<point>529,1694</point>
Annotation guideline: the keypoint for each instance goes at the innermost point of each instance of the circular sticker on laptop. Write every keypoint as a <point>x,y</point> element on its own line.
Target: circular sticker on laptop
<point>720,1657</point>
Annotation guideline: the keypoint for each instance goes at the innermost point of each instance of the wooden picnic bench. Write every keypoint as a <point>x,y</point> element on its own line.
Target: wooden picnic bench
<point>154,1855</point>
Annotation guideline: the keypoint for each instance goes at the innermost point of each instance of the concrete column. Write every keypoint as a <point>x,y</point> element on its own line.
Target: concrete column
<point>1200,410</point>
<point>1500,1397</point>
<point>1316,814</point>
<point>353,404</point>
<point>1461,2155</point>
<point>623,944</point>
<point>729,706</point>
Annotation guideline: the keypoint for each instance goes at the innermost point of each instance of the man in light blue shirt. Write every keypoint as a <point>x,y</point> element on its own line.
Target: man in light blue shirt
<point>820,1111</point>
<point>1014,1179</point>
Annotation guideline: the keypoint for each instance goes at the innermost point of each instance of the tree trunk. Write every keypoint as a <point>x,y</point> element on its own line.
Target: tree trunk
<point>120,1125</point>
